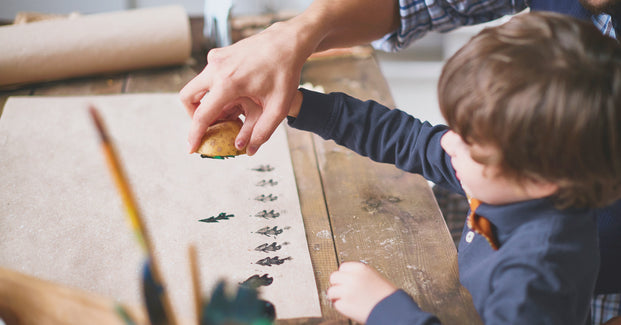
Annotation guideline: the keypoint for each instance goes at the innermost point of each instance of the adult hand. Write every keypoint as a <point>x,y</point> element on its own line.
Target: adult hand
<point>256,77</point>
<point>266,68</point>
<point>356,288</point>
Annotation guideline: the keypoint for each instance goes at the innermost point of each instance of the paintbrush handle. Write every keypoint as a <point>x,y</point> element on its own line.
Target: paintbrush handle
<point>196,283</point>
<point>133,215</point>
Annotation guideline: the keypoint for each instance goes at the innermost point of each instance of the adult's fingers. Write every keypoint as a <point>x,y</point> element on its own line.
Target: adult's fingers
<point>352,266</point>
<point>252,112</point>
<point>273,114</point>
<point>192,93</point>
<point>206,113</point>
<point>263,130</point>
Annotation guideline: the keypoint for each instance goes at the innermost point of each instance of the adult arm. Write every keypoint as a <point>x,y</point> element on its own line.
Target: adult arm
<point>266,68</point>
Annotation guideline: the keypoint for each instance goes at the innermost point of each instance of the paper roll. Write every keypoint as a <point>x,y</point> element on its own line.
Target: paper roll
<point>92,44</point>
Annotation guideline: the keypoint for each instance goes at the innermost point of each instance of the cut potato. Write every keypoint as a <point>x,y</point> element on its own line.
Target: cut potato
<point>219,140</point>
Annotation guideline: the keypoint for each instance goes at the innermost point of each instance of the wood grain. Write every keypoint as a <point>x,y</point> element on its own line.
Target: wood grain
<point>314,214</point>
<point>166,79</point>
<point>381,215</point>
<point>96,85</point>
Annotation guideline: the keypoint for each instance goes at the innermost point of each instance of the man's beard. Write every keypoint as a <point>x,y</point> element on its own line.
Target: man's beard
<point>610,7</point>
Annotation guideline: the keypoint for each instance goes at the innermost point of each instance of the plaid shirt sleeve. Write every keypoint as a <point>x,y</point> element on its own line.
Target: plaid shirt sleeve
<point>421,16</point>
<point>605,307</point>
<point>604,23</point>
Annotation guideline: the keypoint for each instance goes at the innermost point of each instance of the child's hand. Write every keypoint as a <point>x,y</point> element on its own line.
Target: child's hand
<point>356,288</point>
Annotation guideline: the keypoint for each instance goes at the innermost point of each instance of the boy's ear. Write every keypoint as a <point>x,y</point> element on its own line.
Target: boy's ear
<point>540,189</point>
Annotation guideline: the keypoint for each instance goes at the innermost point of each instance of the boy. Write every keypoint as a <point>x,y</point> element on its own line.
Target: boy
<point>534,138</point>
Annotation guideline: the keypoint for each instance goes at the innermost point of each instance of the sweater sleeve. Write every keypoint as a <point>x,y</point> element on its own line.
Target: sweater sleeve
<point>399,309</point>
<point>384,135</point>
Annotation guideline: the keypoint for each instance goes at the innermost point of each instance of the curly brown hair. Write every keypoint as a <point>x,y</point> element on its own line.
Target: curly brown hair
<point>545,90</point>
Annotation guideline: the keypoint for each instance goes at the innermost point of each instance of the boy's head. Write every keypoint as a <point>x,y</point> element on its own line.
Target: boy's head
<point>544,91</point>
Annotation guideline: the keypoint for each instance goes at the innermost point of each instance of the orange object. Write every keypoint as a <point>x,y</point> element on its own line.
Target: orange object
<point>481,225</point>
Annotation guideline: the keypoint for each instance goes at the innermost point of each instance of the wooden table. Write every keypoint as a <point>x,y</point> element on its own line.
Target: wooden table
<point>353,209</point>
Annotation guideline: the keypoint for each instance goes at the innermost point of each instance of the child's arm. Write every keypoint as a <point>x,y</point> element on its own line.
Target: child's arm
<point>375,131</point>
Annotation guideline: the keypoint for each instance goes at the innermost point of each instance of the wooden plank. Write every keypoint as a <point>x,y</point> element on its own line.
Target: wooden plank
<point>311,321</point>
<point>93,85</point>
<point>167,79</point>
<point>376,219</point>
<point>358,76</point>
<point>384,216</point>
<point>315,215</point>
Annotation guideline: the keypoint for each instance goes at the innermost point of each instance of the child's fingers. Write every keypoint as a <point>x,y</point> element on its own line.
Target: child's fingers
<point>352,267</point>
<point>347,272</point>
<point>333,293</point>
<point>336,278</point>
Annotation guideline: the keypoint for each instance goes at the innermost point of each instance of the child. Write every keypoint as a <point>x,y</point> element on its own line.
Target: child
<point>533,138</point>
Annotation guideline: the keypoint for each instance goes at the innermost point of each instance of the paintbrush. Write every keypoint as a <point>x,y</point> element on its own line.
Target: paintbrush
<point>196,283</point>
<point>152,274</point>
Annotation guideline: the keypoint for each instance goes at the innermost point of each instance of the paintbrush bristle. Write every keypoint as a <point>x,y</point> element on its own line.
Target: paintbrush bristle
<point>98,123</point>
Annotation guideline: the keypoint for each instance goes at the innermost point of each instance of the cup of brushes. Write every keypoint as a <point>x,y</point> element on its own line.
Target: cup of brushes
<point>242,308</point>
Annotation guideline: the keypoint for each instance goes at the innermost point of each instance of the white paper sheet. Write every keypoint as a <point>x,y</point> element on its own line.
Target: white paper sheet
<point>61,218</point>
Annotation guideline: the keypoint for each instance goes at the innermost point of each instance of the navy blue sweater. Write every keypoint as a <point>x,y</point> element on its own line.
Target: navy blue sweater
<point>547,264</point>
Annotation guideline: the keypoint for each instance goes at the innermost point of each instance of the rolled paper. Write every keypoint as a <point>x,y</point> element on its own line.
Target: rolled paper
<point>94,44</point>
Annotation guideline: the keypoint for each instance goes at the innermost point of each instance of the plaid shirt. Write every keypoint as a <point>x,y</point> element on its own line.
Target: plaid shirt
<point>421,16</point>
<point>605,307</point>
<point>604,23</point>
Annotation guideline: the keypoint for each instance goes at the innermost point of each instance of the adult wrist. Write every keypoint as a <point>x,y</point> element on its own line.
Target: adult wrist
<point>296,104</point>
<point>310,28</point>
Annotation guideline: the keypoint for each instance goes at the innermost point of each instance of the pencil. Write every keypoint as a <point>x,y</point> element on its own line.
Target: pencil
<point>133,215</point>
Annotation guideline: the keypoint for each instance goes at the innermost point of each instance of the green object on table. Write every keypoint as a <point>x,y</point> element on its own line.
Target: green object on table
<point>243,308</point>
<point>217,157</point>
